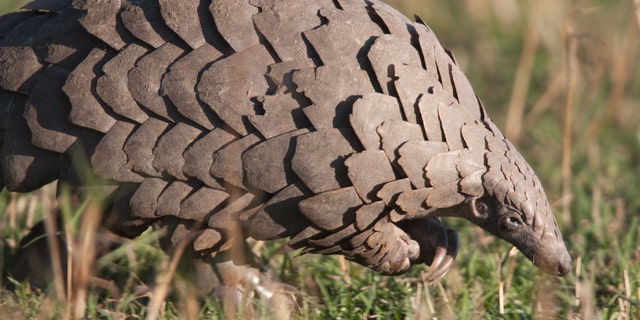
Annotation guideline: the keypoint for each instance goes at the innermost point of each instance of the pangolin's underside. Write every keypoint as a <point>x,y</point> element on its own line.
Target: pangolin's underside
<point>340,125</point>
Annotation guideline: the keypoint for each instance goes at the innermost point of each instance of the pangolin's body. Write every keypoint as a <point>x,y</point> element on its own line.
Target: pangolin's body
<point>341,125</point>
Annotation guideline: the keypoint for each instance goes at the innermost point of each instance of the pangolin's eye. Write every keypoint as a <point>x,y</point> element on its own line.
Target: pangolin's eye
<point>512,222</point>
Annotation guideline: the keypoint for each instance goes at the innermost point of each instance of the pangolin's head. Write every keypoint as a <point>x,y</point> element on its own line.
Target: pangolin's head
<point>535,234</point>
<point>504,196</point>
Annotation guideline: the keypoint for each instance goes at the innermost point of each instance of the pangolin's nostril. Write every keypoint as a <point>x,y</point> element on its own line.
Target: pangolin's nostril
<point>564,266</point>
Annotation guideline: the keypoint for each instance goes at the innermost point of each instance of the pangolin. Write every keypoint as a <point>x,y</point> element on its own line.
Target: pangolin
<point>339,125</point>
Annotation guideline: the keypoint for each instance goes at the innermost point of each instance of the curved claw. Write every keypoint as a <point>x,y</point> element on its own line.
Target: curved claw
<point>439,257</point>
<point>436,270</point>
<point>442,264</point>
<point>438,246</point>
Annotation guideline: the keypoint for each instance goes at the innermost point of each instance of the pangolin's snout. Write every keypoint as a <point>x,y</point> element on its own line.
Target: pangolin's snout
<point>564,265</point>
<point>553,259</point>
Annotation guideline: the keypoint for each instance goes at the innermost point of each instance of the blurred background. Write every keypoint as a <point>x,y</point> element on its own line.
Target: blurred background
<point>560,78</point>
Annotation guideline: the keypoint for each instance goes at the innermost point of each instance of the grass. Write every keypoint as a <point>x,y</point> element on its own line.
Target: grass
<point>562,76</point>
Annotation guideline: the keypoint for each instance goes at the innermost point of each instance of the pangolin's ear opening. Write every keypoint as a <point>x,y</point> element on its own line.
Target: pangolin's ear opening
<point>479,208</point>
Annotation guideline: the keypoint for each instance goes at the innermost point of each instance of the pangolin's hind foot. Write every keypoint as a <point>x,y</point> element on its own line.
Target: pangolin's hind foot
<point>242,286</point>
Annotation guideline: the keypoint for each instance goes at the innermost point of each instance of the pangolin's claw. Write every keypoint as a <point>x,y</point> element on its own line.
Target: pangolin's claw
<point>441,252</point>
<point>437,271</point>
<point>441,244</point>
<point>438,246</point>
